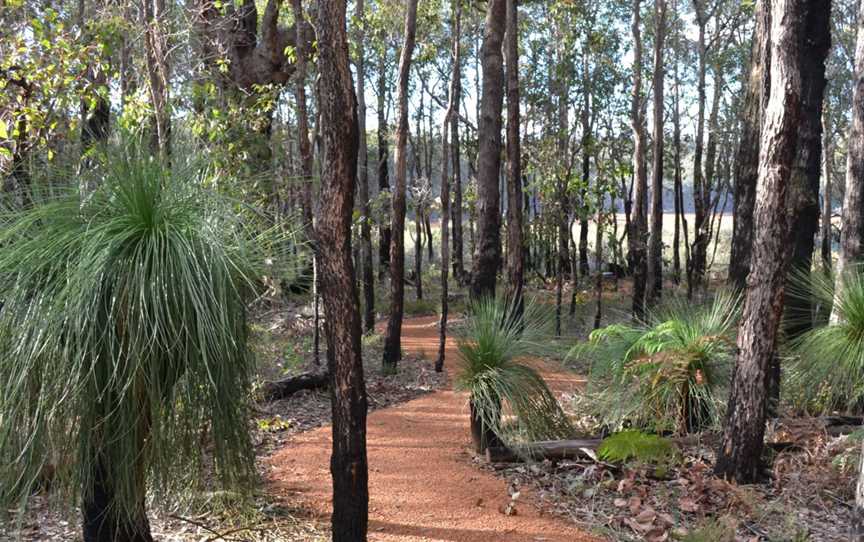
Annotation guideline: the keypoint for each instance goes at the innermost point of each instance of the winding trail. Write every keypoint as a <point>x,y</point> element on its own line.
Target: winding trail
<point>422,483</point>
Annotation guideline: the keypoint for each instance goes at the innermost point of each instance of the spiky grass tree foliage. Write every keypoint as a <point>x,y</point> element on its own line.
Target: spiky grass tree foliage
<point>123,341</point>
<point>826,371</point>
<point>667,373</point>
<point>509,400</point>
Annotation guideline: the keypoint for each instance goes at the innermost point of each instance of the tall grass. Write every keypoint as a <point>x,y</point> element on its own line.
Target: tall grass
<point>123,337</point>
<point>497,366</point>
<point>667,373</point>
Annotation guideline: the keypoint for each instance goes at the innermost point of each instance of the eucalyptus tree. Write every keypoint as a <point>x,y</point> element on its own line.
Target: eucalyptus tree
<point>515,255</point>
<point>655,241</point>
<point>639,223</point>
<point>393,334</point>
<point>740,450</point>
<point>487,255</point>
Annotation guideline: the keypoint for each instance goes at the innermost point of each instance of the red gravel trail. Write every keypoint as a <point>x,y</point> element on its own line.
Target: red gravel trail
<point>422,483</point>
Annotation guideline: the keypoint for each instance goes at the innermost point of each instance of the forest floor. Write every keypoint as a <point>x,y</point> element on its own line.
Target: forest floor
<point>423,483</point>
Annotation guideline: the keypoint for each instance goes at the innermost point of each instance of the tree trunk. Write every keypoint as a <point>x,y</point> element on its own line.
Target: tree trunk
<point>418,254</point>
<point>367,274</point>
<point>102,521</point>
<point>383,166</point>
<point>304,145</point>
<point>338,107</point>
<point>639,222</point>
<point>156,47</point>
<point>747,158</point>
<point>655,242</point>
<point>515,242</point>
<point>696,269</point>
<point>451,112</point>
<point>804,191</point>
<point>393,334</point>
<point>456,214</point>
<point>740,451</point>
<point>676,143</point>
<point>827,184</point>
<point>487,254</point>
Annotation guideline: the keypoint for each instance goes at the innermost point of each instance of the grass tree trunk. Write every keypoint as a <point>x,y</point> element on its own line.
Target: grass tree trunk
<point>367,273</point>
<point>338,107</point>
<point>804,200</point>
<point>655,242</point>
<point>639,222</point>
<point>393,334</point>
<point>747,157</point>
<point>515,243</point>
<point>739,455</point>
<point>383,166</point>
<point>102,519</point>
<point>487,254</point>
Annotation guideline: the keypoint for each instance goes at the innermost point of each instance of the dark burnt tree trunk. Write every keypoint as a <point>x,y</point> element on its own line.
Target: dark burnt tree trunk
<point>636,237</point>
<point>515,243</point>
<point>740,452</point>
<point>452,104</point>
<point>487,254</point>
<point>383,167</point>
<point>676,157</point>
<point>393,334</point>
<point>338,108</point>
<point>456,211</point>
<point>701,193</point>
<point>587,142</point>
<point>101,519</point>
<point>418,253</point>
<point>852,233</point>
<point>564,268</point>
<point>367,272</point>
<point>747,157</point>
<point>804,195</point>
<point>304,145</point>
<point>655,242</point>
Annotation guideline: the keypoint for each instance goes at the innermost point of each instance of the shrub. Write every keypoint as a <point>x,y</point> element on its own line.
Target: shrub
<point>827,369</point>
<point>636,446</point>
<point>123,337</point>
<point>668,373</point>
<point>495,348</point>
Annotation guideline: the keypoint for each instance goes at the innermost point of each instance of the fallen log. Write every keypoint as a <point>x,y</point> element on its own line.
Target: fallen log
<point>557,450</point>
<point>286,387</point>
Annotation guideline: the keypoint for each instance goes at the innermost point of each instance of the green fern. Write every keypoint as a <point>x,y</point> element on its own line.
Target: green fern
<point>636,446</point>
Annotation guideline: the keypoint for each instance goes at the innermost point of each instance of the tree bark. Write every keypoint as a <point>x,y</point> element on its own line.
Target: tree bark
<point>338,107</point>
<point>383,166</point>
<point>487,254</point>
<point>639,222</point>
<point>804,187</point>
<point>515,242</point>
<point>452,104</point>
<point>655,242</point>
<point>102,521</point>
<point>747,158</point>
<point>740,451</point>
<point>827,190</point>
<point>156,48</point>
<point>701,195</point>
<point>393,334</point>
<point>368,274</point>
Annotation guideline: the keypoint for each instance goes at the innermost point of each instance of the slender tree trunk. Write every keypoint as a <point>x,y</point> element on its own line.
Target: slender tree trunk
<point>487,255</point>
<point>639,221</point>
<point>427,224</point>
<point>418,254</point>
<point>383,166</point>
<point>393,335</point>
<point>456,214</point>
<point>740,452</point>
<point>696,269</point>
<point>452,104</point>
<point>156,47</point>
<point>587,140</point>
<point>827,190</point>
<point>655,242</point>
<point>348,390</point>
<point>804,198</point>
<point>368,274</point>
<point>598,272</point>
<point>515,242</point>
<point>676,143</point>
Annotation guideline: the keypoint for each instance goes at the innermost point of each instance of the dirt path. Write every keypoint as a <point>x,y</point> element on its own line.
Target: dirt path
<point>422,484</point>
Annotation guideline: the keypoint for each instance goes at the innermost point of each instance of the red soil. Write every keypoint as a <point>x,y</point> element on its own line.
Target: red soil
<point>422,483</point>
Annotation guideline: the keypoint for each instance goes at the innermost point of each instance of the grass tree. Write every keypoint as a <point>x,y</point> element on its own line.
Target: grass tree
<point>509,400</point>
<point>124,342</point>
